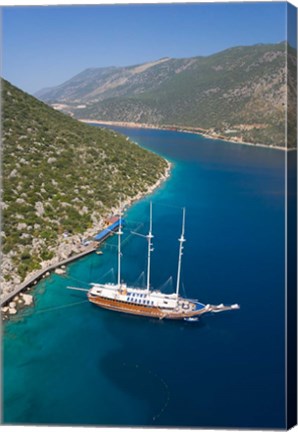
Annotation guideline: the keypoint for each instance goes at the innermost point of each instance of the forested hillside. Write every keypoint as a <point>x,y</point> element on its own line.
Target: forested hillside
<point>60,174</point>
<point>237,93</point>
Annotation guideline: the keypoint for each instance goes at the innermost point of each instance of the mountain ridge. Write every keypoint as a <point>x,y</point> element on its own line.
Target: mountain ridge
<point>93,68</point>
<point>238,93</point>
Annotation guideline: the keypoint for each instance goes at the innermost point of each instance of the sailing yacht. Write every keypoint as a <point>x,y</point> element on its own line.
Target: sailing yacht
<point>147,302</point>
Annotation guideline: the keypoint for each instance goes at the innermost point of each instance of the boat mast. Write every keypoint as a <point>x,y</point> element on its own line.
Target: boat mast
<point>119,233</point>
<point>149,238</point>
<point>181,241</point>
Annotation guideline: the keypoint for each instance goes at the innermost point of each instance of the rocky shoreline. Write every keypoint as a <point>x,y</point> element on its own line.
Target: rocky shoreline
<point>65,248</point>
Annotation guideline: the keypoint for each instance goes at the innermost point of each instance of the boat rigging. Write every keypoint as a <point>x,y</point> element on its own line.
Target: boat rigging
<point>149,302</point>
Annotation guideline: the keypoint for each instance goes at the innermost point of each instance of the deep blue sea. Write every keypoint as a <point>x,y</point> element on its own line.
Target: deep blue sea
<point>66,361</point>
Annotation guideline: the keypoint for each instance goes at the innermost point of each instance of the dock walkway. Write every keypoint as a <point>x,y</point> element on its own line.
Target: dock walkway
<point>38,275</point>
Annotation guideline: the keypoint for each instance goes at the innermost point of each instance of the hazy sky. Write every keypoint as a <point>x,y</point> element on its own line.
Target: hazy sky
<point>44,46</point>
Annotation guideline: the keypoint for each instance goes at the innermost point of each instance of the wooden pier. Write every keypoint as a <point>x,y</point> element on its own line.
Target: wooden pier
<point>107,232</point>
<point>39,274</point>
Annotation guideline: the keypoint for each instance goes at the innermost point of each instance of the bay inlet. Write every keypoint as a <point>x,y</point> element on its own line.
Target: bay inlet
<point>68,362</point>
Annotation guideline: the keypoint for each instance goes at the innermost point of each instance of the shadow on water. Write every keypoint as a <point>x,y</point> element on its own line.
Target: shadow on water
<point>142,369</point>
<point>86,365</point>
<point>138,380</point>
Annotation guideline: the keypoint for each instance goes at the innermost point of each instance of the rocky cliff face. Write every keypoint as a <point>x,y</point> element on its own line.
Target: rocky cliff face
<point>238,93</point>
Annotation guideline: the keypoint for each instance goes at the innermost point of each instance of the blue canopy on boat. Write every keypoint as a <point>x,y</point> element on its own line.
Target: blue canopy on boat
<point>200,306</point>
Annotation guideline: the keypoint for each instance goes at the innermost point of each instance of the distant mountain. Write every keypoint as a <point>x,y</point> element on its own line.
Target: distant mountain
<point>238,93</point>
<point>96,84</point>
<point>60,174</point>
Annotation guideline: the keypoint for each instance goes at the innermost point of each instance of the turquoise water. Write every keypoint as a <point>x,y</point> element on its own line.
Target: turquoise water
<point>66,361</point>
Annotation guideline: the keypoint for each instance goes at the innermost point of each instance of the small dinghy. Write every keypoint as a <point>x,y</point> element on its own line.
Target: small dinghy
<point>191,319</point>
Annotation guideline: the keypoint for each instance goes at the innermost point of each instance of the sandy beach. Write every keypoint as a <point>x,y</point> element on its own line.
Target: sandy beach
<point>196,131</point>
